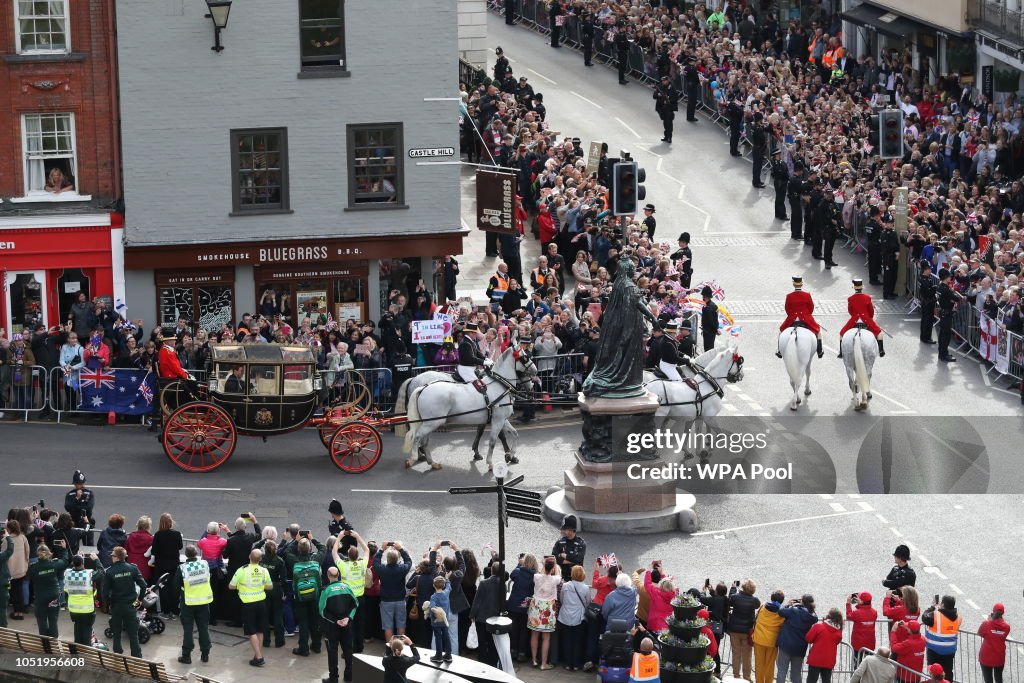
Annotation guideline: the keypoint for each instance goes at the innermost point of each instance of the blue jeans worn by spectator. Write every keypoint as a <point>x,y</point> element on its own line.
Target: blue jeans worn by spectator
<point>453,635</point>
<point>442,641</point>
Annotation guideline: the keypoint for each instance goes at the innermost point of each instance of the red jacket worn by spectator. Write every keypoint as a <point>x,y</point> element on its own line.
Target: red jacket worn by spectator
<point>897,612</point>
<point>708,633</point>
<point>909,649</point>
<point>661,604</point>
<point>546,226</point>
<point>137,544</point>
<point>824,638</point>
<point>93,353</point>
<point>602,585</point>
<point>800,306</point>
<point>170,366</point>
<point>863,617</point>
<point>993,634</point>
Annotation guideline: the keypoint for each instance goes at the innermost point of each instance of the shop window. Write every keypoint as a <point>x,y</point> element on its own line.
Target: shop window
<point>205,307</point>
<point>349,301</point>
<point>311,301</point>
<point>375,166</point>
<point>259,162</point>
<point>42,26</point>
<point>26,302</point>
<point>72,282</point>
<point>322,35</point>
<point>276,300</point>
<point>49,152</point>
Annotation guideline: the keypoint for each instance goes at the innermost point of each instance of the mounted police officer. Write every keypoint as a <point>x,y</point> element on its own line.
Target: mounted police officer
<point>759,139</point>
<point>926,294</point>
<point>780,178</point>
<point>947,299</point>
<point>666,99</point>
<point>193,581</point>
<point>691,79</point>
<point>470,355</point>
<point>795,192</point>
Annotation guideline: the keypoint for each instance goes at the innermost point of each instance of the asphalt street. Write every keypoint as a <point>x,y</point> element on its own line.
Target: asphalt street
<point>699,188</point>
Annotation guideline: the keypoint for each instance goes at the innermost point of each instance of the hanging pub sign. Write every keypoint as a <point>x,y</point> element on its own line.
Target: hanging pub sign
<point>496,202</point>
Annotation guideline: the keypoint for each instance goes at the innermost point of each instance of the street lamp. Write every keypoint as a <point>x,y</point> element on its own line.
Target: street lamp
<point>219,11</point>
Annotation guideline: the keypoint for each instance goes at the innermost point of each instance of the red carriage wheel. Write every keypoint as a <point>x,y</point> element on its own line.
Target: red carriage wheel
<point>199,437</point>
<point>355,447</point>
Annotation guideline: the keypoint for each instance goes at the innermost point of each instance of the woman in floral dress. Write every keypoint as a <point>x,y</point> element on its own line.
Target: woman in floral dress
<point>543,611</point>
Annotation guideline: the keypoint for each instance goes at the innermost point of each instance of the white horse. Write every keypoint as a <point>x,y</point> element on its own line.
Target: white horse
<point>680,399</point>
<point>526,372</point>
<point>435,405</point>
<point>860,349</point>
<point>798,346</point>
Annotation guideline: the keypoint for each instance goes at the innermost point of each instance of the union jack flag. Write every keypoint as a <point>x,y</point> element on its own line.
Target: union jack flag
<point>146,391</point>
<point>100,378</point>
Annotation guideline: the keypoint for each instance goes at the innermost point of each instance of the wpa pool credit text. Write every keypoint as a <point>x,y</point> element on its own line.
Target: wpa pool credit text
<point>710,471</point>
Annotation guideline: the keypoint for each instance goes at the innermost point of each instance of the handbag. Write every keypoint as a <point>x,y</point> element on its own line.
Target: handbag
<point>718,629</point>
<point>414,612</point>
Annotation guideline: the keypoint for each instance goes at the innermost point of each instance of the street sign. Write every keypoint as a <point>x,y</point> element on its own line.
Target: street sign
<point>519,507</point>
<point>521,493</point>
<point>423,152</point>
<point>459,490</point>
<point>496,202</point>
<point>594,157</point>
<point>901,196</point>
<point>520,515</point>
<point>509,484</point>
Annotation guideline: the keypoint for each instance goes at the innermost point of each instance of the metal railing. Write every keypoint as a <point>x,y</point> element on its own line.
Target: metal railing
<point>23,390</point>
<point>470,75</point>
<point>993,16</point>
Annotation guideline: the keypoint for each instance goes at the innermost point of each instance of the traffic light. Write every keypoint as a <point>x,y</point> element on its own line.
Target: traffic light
<point>627,191</point>
<point>890,134</point>
<point>873,129</point>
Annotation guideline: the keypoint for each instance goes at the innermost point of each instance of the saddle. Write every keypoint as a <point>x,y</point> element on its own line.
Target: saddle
<point>860,325</point>
<point>798,323</point>
<point>689,381</point>
<point>478,384</point>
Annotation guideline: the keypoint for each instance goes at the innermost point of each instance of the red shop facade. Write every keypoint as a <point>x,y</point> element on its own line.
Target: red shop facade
<point>46,262</point>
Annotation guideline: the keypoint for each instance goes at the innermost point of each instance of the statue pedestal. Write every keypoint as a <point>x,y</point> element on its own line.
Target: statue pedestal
<point>599,489</point>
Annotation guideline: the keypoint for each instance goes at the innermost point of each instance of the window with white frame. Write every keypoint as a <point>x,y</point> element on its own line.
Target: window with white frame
<point>42,26</point>
<point>49,144</point>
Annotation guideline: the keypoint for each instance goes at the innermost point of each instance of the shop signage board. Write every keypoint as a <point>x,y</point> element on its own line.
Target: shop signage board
<point>427,332</point>
<point>496,202</point>
<point>986,81</point>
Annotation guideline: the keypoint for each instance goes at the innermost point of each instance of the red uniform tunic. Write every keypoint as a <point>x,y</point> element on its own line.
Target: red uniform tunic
<point>862,309</point>
<point>169,365</point>
<point>800,306</point>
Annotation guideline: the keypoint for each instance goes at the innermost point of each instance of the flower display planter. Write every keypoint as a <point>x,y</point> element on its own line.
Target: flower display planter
<point>684,612</point>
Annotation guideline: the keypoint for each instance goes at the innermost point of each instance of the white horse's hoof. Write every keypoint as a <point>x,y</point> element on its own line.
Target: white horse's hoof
<point>860,406</point>
<point>477,457</point>
<point>436,466</point>
<point>408,464</point>
<point>869,396</point>
<point>512,460</point>
<point>807,392</point>
<point>792,406</point>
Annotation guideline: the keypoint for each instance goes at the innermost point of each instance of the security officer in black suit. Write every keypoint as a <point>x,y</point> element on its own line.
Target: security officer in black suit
<point>780,178</point>
<point>796,208</point>
<point>691,80</point>
<point>819,217</point>
<point>554,12</point>
<point>890,248</point>
<point>621,43</point>
<point>587,29</point>
<point>759,138</point>
<point>830,227</point>
<point>649,223</point>
<point>510,12</point>
<point>947,299</point>
<point>926,293</point>
<point>666,103</point>
<point>708,319</point>
<point>810,188</point>
<point>873,231</point>
<point>735,113</point>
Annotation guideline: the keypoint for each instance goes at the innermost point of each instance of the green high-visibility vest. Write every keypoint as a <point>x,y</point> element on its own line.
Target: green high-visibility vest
<point>250,581</point>
<point>353,575</point>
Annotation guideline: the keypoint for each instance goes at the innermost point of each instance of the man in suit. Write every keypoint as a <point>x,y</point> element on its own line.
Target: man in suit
<point>489,602</point>
<point>708,319</point>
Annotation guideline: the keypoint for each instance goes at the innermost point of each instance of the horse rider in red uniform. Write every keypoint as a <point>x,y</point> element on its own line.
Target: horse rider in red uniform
<point>862,310</point>
<point>800,306</point>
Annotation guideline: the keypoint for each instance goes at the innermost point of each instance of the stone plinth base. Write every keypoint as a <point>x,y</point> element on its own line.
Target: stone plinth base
<point>680,516</point>
<point>603,487</point>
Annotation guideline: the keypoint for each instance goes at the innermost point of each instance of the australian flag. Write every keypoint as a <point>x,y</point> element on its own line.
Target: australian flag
<point>126,392</point>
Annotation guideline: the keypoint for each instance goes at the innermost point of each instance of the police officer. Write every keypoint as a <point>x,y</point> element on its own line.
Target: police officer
<point>830,227</point>
<point>570,549</point>
<point>122,585</point>
<point>253,582</point>
<point>901,574</point>
<point>947,299</point>
<point>587,29</point>
<point>79,502</point>
<point>812,232</point>
<point>621,43</point>
<point>759,139</point>
<point>666,103</point>
<point>811,194</point>
<point>819,219</point>
<point>685,255</point>
<point>795,192</point>
<point>889,245</point>
<point>338,523</point>
<point>926,293</point>
<point>80,585</point>
<point>525,346</point>
<point>708,319</point>
<point>501,66</point>
<point>554,13</point>
<point>510,12</point>
<point>873,231</point>
<point>735,114</point>
<point>650,225</point>
<point>780,178</point>
<point>337,607</point>
<point>193,582</point>
<point>691,80</point>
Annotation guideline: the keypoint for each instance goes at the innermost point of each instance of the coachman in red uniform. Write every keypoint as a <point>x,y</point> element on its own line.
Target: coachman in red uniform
<point>800,306</point>
<point>862,310</point>
<point>169,369</point>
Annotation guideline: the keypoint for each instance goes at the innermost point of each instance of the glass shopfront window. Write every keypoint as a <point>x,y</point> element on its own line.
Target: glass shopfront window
<point>313,293</point>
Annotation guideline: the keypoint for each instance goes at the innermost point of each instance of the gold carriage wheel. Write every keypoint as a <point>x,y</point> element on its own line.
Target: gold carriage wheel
<point>172,396</point>
<point>357,399</point>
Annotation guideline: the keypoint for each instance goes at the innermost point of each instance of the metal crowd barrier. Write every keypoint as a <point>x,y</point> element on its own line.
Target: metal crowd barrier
<point>64,400</point>
<point>29,394</point>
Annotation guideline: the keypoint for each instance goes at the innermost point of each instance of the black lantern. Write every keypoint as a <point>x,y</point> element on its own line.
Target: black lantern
<point>219,11</point>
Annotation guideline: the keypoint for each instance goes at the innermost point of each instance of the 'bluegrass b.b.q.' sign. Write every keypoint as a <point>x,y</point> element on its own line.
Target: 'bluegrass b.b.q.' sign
<point>496,201</point>
<point>427,331</point>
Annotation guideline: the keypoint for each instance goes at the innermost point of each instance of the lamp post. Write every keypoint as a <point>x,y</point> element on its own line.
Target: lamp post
<point>219,11</point>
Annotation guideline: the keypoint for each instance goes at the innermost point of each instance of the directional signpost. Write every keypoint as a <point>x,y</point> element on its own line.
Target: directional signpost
<point>512,502</point>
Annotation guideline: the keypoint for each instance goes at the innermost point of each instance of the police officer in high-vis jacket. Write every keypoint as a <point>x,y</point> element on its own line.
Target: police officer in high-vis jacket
<point>193,582</point>
<point>80,585</point>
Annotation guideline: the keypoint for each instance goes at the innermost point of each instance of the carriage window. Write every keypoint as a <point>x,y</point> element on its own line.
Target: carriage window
<point>298,380</point>
<point>264,380</point>
<point>229,378</point>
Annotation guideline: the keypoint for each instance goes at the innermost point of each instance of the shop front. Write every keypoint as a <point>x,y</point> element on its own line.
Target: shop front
<point>212,284</point>
<point>47,262</point>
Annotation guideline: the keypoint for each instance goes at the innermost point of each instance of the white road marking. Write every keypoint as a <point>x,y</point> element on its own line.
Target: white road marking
<point>586,100</point>
<point>837,507</point>
<point>911,546</point>
<point>853,495</point>
<point>661,160</point>
<point>866,507</point>
<point>756,406</point>
<point>781,521</point>
<point>825,496</point>
<point>626,126</point>
<point>902,412</point>
<point>136,488</point>
<point>540,75</point>
<point>958,507</point>
<point>923,560</point>
<point>882,519</point>
<point>956,588</point>
<point>972,603</point>
<point>876,392</point>
<point>399,491</point>
<point>896,532</point>
<point>935,570</point>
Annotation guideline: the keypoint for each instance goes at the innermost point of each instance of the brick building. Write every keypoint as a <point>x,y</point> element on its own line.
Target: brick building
<point>283,174</point>
<point>60,179</point>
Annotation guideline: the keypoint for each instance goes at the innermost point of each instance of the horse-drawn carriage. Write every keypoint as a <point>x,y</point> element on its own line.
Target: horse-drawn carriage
<point>264,390</point>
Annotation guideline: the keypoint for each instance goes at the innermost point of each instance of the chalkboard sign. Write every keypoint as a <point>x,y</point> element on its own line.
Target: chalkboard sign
<point>986,81</point>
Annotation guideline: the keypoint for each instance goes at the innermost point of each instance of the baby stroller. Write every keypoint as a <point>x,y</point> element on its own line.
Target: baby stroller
<point>149,621</point>
<point>617,645</point>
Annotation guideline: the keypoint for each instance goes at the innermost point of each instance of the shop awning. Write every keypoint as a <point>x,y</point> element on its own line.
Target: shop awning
<point>881,20</point>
